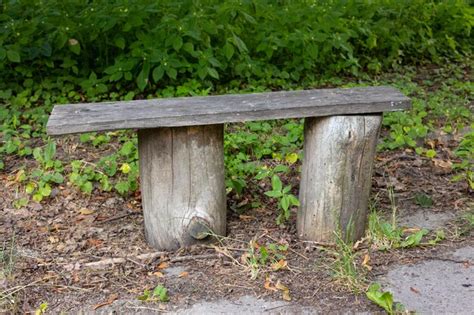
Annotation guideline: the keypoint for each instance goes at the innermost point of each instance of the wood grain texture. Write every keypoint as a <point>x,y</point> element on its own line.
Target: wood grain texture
<point>182,184</point>
<point>336,176</point>
<point>193,111</point>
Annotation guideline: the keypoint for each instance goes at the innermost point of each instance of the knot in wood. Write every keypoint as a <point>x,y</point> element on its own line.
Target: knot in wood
<point>199,228</point>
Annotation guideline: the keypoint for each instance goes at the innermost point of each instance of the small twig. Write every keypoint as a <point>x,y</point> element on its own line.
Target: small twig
<point>228,248</point>
<point>449,259</point>
<point>118,217</point>
<point>18,288</point>
<point>136,262</point>
<point>145,308</point>
<point>276,307</point>
<point>119,260</point>
<point>193,257</point>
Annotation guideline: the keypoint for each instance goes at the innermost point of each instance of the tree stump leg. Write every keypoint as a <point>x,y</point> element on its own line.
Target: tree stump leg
<point>182,184</point>
<point>336,176</point>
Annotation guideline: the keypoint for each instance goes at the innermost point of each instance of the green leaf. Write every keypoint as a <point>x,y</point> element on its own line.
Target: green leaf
<point>228,50</point>
<point>13,56</point>
<point>285,203</point>
<point>213,73</point>
<point>276,183</point>
<point>37,197</point>
<point>240,44</point>
<point>49,151</point>
<point>127,148</point>
<point>172,73</point>
<point>158,73</point>
<point>294,201</point>
<point>430,153</point>
<point>3,53</point>
<point>161,293</point>
<point>122,187</point>
<point>177,43</point>
<point>273,193</point>
<point>86,187</point>
<point>382,299</point>
<point>120,42</point>
<point>414,239</point>
<point>142,79</point>
<point>45,191</point>
<point>57,178</point>
<point>30,188</point>
<point>281,168</point>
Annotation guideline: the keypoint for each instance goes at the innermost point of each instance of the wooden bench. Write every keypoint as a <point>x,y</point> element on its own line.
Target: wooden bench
<point>180,143</point>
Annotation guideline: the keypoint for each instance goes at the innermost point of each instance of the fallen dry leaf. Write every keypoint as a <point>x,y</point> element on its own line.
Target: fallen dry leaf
<point>443,164</point>
<point>411,230</point>
<point>183,274</point>
<point>268,285</point>
<point>158,274</point>
<point>286,295</point>
<point>281,286</point>
<point>246,217</point>
<point>109,301</point>
<point>281,264</point>
<point>85,211</point>
<point>365,262</point>
<point>163,265</point>
<point>95,242</point>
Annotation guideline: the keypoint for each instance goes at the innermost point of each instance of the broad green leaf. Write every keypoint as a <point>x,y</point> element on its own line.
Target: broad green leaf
<point>3,53</point>
<point>240,44</point>
<point>213,73</point>
<point>158,73</point>
<point>273,193</point>
<point>281,168</point>
<point>87,187</point>
<point>13,56</point>
<point>30,188</point>
<point>119,42</point>
<point>228,50</point>
<point>382,299</point>
<point>45,191</point>
<point>177,43</point>
<point>49,151</point>
<point>291,158</point>
<point>142,79</point>
<point>172,73</point>
<point>285,203</point>
<point>276,183</point>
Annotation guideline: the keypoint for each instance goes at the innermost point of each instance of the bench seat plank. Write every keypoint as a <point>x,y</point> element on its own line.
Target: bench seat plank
<point>205,110</point>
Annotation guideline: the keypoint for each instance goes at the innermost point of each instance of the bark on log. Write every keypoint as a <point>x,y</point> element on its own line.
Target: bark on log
<point>182,184</point>
<point>336,176</point>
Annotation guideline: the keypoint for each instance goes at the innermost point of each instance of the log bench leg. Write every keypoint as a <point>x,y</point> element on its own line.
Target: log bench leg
<point>336,176</point>
<point>182,184</point>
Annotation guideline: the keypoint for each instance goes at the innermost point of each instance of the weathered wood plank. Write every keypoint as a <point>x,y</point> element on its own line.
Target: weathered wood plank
<point>336,176</point>
<point>182,184</point>
<point>193,111</point>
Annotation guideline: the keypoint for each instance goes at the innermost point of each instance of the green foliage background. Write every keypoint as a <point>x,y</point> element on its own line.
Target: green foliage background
<point>124,45</point>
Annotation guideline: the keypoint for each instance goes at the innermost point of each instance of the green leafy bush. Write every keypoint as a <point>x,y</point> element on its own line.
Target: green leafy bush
<point>105,47</point>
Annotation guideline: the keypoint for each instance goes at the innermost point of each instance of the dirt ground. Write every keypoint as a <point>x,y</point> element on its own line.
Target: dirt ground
<point>57,242</point>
